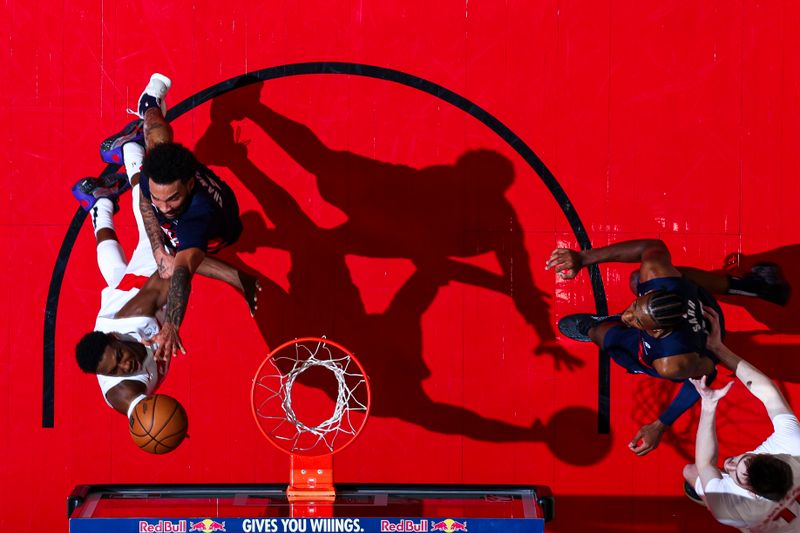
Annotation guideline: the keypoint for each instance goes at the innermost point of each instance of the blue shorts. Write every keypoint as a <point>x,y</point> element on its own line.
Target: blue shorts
<point>621,343</point>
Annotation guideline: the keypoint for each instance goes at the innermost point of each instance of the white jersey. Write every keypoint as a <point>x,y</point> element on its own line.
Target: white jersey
<point>138,328</point>
<point>734,506</point>
<point>124,279</point>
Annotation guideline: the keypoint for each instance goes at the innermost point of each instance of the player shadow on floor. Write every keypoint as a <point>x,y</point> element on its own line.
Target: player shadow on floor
<point>770,348</point>
<point>427,215</point>
<point>322,297</point>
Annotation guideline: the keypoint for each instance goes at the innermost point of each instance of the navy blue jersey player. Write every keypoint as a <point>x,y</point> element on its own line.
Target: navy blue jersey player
<point>662,333</point>
<point>187,210</point>
<point>209,217</point>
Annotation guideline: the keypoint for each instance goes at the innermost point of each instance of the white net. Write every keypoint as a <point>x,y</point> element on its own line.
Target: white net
<point>276,384</point>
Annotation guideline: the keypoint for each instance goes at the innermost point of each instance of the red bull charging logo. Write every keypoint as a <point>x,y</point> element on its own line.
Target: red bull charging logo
<point>449,525</point>
<point>207,526</point>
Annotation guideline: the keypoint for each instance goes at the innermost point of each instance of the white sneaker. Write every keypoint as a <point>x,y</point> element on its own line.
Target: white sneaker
<point>154,95</point>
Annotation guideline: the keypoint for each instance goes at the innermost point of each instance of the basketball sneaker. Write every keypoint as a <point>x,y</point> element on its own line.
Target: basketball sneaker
<point>89,190</point>
<point>153,95</point>
<point>774,287</point>
<point>577,326</point>
<point>111,148</point>
<point>692,494</point>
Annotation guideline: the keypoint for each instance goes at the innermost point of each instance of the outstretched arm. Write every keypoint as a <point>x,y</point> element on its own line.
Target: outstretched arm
<point>649,436</point>
<point>154,293</point>
<point>121,395</point>
<point>652,253</point>
<point>706,447</point>
<point>244,283</point>
<point>756,381</point>
<point>164,261</point>
<point>168,339</point>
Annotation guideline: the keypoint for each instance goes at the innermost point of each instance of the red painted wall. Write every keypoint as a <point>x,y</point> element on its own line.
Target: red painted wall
<point>676,121</point>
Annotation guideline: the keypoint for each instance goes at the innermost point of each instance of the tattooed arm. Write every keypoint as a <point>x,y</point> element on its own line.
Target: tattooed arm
<point>168,339</point>
<point>164,261</point>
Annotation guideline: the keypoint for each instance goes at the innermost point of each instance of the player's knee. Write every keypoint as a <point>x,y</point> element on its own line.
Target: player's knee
<point>598,333</point>
<point>690,473</point>
<point>633,282</point>
<point>677,372</point>
<point>158,136</point>
<point>678,367</point>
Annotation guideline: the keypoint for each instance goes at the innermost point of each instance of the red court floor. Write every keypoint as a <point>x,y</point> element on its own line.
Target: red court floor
<point>406,210</point>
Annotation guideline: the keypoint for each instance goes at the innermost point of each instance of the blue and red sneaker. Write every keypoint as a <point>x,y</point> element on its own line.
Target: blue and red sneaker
<point>89,190</point>
<point>111,148</point>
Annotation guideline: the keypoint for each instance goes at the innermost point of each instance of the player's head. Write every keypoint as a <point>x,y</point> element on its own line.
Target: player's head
<point>106,354</point>
<point>170,169</point>
<point>657,312</point>
<point>89,350</point>
<point>764,474</point>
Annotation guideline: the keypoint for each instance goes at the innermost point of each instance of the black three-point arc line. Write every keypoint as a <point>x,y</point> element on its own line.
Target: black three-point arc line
<point>353,69</point>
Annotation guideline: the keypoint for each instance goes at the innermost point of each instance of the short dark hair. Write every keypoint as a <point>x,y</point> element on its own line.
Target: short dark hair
<point>666,308</point>
<point>89,350</point>
<point>769,476</point>
<point>168,162</point>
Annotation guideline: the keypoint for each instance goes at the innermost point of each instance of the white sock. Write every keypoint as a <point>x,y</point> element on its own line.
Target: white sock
<point>133,155</point>
<point>102,215</point>
<point>111,260</point>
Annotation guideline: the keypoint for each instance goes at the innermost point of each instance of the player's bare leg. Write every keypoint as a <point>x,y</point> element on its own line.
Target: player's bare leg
<point>598,333</point>
<point>106,234</point>
<point>127,146</point>
<point>152,109</point>
<point>764,281</point>
<point>156,128</point>
<point>711,281</point>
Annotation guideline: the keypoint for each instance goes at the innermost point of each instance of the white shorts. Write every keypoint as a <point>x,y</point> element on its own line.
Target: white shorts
<point>124,278</point>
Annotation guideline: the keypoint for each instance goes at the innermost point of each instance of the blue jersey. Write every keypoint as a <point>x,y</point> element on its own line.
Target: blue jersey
<point>211,219</point>
<point>690,336</point>
<point>635,350</point>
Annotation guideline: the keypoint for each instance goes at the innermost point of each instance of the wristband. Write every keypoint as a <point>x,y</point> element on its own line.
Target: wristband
<point>134,403</point>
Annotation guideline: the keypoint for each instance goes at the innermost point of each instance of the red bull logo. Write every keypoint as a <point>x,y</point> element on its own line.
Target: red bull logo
<point>420,526</point>
<point>207,526</point>
<point>162,526</point>
<point>449,525</point>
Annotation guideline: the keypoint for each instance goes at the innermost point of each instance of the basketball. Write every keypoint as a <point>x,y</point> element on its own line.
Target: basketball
<point>158,424</point>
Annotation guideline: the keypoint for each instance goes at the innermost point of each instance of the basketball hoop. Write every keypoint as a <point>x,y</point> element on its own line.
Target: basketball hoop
<point>311,398</point>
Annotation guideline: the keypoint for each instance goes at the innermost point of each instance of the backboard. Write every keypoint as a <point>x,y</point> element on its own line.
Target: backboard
<point>266,508</point>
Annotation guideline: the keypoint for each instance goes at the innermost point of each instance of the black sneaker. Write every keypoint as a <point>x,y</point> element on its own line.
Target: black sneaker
<point>89,190</point>
<point>577,326</point>
<point>692,494</point>
<point>775,288</point>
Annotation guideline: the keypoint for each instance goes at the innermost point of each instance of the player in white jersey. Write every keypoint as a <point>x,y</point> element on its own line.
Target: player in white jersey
<point>757,491</point>
<point>117,350</point>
